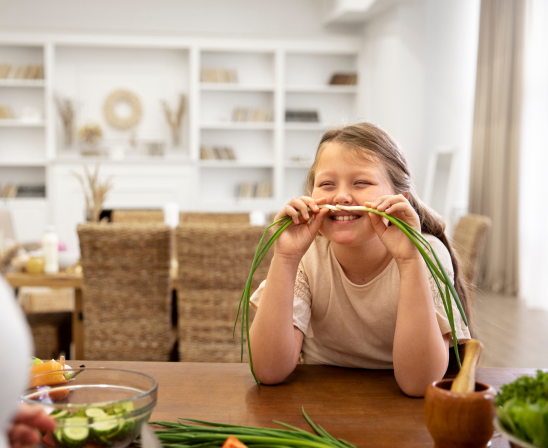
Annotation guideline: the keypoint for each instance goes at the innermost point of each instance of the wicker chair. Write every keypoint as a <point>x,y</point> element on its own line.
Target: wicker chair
<point>214,262</point>
<point>217,218</point>
<point>126,291</point>
<point>137,216</point>
<point>469,240</point>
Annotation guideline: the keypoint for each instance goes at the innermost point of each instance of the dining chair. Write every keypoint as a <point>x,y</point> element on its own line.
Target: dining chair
<point>137,216</point>
<point>126,291</point>
<point>469,239</point>
<point>214,263</point>
<point>219,218</point>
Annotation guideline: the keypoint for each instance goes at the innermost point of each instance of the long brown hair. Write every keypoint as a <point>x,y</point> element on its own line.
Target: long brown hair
<point>369,141</point>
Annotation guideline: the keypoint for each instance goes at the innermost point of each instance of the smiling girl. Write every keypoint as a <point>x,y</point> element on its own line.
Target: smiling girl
<point>346,288</point>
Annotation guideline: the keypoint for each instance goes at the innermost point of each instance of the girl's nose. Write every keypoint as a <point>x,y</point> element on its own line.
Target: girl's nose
<point>342,197</point>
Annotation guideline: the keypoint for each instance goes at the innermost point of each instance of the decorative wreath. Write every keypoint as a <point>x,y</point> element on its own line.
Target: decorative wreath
<point>134,103</point>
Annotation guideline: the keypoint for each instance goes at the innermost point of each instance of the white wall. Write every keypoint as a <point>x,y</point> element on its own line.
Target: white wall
<point>419,60</point>
<point>283,18</point>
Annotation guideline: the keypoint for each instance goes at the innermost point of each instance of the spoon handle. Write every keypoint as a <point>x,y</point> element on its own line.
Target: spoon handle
<point>466,378</point>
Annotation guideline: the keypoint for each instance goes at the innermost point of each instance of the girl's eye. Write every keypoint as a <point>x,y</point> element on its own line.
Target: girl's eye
<point>363,182</point>
<point>324,184</point>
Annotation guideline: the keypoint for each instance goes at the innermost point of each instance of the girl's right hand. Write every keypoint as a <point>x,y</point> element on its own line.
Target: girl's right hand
<point>297,238</point>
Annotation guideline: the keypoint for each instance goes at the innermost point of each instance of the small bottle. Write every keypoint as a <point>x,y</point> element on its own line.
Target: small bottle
<point>50,250</point>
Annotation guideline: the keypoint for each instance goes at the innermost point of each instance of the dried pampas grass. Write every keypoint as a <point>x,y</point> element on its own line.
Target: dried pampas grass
<point>95,192</point>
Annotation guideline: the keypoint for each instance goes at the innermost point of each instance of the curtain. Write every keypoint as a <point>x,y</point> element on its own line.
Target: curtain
<point>496,137</point>
<point>534,160</point>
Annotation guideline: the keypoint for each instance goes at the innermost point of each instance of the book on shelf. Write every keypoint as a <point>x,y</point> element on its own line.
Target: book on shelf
<point>302,116</point>
<point>217,153</point>
<point>264,190</point>
<point>21,71</point>
<point>31,191</point>
<point>6,113</point>
<point>219,75</point>
<point>343,79</point>
<point>9,191</point>
<point>247,190</point>
<point>240,114</point>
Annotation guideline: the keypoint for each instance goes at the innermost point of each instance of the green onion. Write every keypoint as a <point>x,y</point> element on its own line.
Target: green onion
<point>435,267</point>
<point>211,434</point>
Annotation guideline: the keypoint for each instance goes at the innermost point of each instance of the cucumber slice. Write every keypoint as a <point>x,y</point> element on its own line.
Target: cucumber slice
<point>75,432</point>
<point>95,413</point>
<point>123,408</point>
<point>60,413</point>
<point>105,430</point>
<point>58,437</point>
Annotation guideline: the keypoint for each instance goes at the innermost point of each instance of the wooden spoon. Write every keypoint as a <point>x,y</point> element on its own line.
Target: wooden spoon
<point>466,378</point>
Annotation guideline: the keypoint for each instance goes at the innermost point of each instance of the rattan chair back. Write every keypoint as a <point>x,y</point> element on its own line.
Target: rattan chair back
<point>214,263</point>
<point>137,216</point>
<point>126,291</point>
<point>217,218</point>
<point>469,239</point>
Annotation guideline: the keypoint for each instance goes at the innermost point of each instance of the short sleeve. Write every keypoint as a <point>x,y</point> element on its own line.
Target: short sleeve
<point>302,302</point>
<point>461,329</point>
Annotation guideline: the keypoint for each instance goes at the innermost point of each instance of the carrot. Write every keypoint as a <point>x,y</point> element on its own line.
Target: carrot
<point>233,442</point>
<point>55,377</point>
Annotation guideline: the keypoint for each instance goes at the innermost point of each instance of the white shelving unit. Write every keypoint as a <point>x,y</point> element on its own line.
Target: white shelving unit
<point>272,75</point>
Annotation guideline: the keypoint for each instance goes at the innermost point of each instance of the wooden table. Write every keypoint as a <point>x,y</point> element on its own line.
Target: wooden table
<point>62,280</point>
<point>365,407</point>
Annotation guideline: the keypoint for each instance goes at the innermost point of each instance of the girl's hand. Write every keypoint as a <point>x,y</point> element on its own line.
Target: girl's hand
<point>297,238</point>
<point>26,424</point>
<point>397,243</point>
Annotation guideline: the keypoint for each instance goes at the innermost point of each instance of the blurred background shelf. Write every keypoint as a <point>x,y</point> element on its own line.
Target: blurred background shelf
<point>230,86</point>
<point>38,83</point>
<point>14,123</point>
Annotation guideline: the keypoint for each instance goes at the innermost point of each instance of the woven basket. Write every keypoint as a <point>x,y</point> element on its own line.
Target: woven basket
<point>469,240</point>
<point>126,291</point>
<point>214,263</point>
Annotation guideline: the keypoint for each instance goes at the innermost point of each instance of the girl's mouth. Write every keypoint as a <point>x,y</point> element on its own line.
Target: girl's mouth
<point>345,217</point>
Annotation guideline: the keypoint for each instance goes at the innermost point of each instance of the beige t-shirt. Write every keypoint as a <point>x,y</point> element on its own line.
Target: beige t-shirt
<point>351,325</point>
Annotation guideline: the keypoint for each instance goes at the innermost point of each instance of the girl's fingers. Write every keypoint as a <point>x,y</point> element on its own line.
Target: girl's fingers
<point>316,223</point>
<point>23,435</point>
<point>385,202</point>
<point>377,223</point>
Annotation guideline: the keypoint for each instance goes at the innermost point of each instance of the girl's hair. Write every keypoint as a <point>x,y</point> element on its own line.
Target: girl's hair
<point>366,140</point>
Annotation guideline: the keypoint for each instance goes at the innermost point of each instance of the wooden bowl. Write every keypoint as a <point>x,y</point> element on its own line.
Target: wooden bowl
<point>457,420</point>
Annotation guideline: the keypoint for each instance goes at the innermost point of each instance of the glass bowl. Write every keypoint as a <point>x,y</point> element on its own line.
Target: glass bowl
<point>512,439</point>
<point>98,407</point>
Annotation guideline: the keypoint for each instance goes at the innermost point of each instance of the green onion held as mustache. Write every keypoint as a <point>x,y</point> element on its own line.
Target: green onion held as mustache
<point>435,267</point>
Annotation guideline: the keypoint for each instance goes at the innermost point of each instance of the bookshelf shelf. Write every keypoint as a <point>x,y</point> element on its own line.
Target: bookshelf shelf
<point>11,123</point>
<point>233,87</point>
<point>235,164</point>
<point>37,83</point>
<point>322,89</point>
<point>236,125</point>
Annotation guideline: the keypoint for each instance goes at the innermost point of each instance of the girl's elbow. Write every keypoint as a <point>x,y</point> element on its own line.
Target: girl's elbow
<point>413,390</point>
<point>270,376</point>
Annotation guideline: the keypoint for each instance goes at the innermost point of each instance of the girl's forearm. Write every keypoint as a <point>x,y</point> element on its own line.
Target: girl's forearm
<point>420,353</point>
<point>272,334</point>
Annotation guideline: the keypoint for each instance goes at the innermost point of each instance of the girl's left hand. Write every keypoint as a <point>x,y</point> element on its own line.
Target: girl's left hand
<point>398,244</point>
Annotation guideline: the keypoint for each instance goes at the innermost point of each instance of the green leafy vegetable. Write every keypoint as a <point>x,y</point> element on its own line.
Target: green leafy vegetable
<point>435,267</point>
<point>523,408</point>
<point>209,434</point>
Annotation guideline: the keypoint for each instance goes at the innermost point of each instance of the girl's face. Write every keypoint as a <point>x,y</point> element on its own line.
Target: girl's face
<point>345,179</point>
